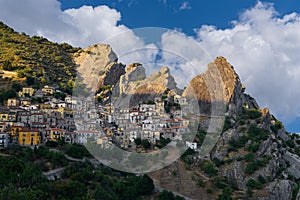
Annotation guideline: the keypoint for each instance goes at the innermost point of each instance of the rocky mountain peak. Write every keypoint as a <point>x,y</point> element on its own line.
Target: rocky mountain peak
<point>132,66</point>
<point>98,64</point>
<point>165,70</point>
<point>219,83</point>
<point>136,85</point>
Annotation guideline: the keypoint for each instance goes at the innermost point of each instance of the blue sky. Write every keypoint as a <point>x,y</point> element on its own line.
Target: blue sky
<point>167,13</point>
<point>259,38</point>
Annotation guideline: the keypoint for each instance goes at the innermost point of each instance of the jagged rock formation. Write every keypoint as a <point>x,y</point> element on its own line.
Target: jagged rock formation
<point>219,84</point>
<point>98,66</point>
<point>134,86</point>
<point>254,157</point>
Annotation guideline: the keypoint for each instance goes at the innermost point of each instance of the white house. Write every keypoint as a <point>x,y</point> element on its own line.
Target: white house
<point>192,145</point>
<point>4,139</point>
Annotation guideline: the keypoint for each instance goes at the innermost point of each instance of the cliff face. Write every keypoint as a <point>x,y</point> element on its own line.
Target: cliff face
<point>254,157</point>
<point>99,64</point>
<point>219,84</point>
<point>135,87</point>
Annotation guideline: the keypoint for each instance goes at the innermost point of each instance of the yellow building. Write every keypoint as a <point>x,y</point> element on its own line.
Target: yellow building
<point>12,102</point>
<point>4,116</point>
<point>44,106</point>
<point>56,134</point>
<point>65,112</point>
<point>29,137</point>
<point>26,91</point>
<point>14,131</point>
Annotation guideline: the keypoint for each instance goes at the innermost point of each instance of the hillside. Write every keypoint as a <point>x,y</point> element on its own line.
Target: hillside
<point>254,157</point>
<point>36,58</point>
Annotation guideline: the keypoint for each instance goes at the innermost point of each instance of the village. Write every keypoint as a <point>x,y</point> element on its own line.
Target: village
<point>38,116</point>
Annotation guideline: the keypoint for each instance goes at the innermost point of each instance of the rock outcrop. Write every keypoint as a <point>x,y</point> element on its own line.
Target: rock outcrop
<point>98,66</point>
<point>279,189</point>
<point>219,84</point>
<point>111,74</point>
<point>135,87</point>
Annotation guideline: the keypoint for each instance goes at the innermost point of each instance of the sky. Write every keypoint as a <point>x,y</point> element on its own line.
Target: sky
<point>259,38</point>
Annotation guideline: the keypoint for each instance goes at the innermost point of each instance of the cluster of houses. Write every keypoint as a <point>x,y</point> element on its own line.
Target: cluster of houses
<point>27,123</point>
<point>145,121</point>
<point>75,120</point>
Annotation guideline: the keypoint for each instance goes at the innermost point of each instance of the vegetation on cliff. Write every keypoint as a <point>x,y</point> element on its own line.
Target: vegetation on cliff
<point>36,59</point>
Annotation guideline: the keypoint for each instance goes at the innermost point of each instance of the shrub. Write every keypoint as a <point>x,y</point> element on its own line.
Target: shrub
<point>166,195</point>
<point>146,144</point>
<point>253,184</point>
<point>209,168</point>
<point>249,192</point>
<point>163,142</point>
<point>209,191</point>
<point>290,143</point>
<point>253,147</point>
<point>261,179</point>
<point>249,157</point>
<point>146,185</point>
<point>227,124</point>
<point>220,182</point>
<point>295,192</point>
<point>257,134</point>
<point>16,87</point>
<point>101,72</point>
<point>278,125</point>
<point>30,80</point>
<point>51,144</point>
<point>77,151</point>
<point>234,145</point>
<point>200,183</point>
<point>138,141</point>
<point>226,194</point>
<point>7,65</point>
<point>250,168</point>
<point>218,162</point>
<point>251,113</point>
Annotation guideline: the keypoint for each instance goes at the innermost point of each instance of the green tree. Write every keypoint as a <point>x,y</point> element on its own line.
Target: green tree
<point>146,144</point>
<point>138,141</point>
<point>146,185</point>
<point>16,87</point>
<point>209,168</point>
<point>78,151</point>
<point>30,80</point>
<point>253,184</point>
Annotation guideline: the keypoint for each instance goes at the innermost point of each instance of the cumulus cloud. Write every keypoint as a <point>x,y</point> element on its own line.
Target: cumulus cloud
<point>184,54</point>
<point>264,49</point>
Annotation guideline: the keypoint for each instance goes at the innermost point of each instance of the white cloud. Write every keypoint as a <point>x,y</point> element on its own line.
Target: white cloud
<point>185,6</point>
<point>183,53</point>
<point>264,49</point>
